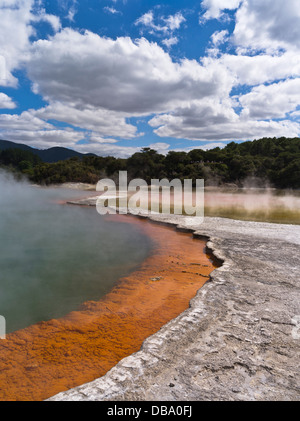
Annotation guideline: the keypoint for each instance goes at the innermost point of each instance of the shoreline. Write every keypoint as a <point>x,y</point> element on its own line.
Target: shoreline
<point>238,340</point>
<point>49,357</point>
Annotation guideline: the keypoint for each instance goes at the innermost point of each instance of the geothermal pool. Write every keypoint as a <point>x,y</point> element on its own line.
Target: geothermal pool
<point>80,291</point>
<point>54,257</point>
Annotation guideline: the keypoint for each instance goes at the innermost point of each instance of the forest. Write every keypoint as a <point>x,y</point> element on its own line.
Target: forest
<point>273,162</point>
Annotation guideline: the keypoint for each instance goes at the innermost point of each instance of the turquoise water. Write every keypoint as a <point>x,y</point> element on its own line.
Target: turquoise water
<point>54,257</point>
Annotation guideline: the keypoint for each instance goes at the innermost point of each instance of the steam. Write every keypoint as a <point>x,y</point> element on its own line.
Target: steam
<point>256,201</point>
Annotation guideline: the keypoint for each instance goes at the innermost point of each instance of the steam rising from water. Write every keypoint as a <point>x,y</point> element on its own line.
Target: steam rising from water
<point>251,203</point>
<point>55,257</point>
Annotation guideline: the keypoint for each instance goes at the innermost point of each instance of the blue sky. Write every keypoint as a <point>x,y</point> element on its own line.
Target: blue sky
<point>113,76</point>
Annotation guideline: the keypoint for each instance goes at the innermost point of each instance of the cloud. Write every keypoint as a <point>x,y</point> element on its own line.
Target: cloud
<point>214,8</point>
<point>6,102</point>
<point>268,25</point>
<point>189,99</point>
<point>219,37</point>
<point>102,121</point>
<point>17,18</point>
<point>147,19</point>
<point>97,138</point>
<point>169,42</point>
<point>272,101</point>
<point>213,120</point>
<point>166,24</point>
<point>69,6</point>
<point>111,10</point>
<point>15,30</point>
<point>108,149</point>
<point>24,121</point>
<point>53,20</point>
<point>258,69</point>
<point>120,151</point>
<point>295,114</point>
<point>32,127</point>
<point>260,29</point>
<point>89,74</point>
<point>174,21</point>
<point>212,145</point>
<point>160,147</point>
<point>260,25</point>
<point>29,129</point>
<point>44,139</point>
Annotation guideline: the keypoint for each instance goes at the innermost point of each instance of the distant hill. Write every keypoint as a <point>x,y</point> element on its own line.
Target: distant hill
<point>50,155</point>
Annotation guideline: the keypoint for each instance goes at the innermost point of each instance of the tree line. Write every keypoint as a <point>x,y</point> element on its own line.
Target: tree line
<point>269,161</point>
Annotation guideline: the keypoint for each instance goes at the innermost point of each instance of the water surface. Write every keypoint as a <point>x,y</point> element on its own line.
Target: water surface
<point>261,205</point>
<point>54,257</point>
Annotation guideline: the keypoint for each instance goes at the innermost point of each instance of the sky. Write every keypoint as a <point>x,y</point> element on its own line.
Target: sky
<point>113,76</point>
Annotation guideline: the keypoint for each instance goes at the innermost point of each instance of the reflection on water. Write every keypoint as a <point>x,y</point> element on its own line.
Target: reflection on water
<point>55,257</point>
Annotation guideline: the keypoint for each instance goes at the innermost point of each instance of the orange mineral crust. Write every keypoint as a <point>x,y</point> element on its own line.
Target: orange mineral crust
<point>53,356</point>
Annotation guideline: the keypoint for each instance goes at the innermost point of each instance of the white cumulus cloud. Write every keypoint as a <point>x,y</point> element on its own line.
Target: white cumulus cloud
<point>17,18</point>
<point>272,101</point>
<point>119,75</point>
<point>214,8</point>
<point>268,25</point>
<point>6,102</point>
